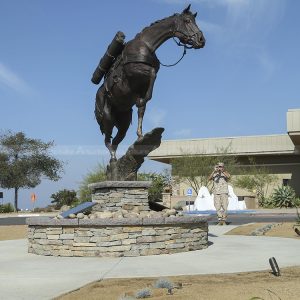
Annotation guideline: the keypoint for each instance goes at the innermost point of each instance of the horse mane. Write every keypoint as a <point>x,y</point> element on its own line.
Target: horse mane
<point>156,22</point>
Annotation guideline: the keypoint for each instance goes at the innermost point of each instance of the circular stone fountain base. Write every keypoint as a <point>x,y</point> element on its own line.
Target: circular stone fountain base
<point>116,237</point>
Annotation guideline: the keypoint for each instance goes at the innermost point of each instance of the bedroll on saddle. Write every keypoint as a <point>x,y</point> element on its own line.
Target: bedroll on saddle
<point>113,51</point>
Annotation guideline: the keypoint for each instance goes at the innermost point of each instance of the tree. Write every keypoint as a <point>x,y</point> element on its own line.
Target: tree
<point>24,162</point>
<point>256,180</point>
<point>64,197</point>
<point>97,175</point>
<point>196,169</point>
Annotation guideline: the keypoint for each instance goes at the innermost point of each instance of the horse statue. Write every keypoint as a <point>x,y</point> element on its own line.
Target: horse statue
<point>130,79</point>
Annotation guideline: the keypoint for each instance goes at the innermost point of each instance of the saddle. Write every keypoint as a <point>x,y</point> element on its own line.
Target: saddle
<point>136,52</point>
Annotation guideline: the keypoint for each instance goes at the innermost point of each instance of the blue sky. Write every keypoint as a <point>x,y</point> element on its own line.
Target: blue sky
<point>242,82</point>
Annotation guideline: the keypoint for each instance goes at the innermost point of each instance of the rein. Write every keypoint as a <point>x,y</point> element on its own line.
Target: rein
<point>183,54</point>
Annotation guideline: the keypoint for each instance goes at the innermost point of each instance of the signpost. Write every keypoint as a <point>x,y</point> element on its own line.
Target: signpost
<point>33,199</point>
<point>189,192</point>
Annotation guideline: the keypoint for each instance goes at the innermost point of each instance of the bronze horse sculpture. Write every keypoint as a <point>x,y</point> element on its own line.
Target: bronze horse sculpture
<point>131,78</point>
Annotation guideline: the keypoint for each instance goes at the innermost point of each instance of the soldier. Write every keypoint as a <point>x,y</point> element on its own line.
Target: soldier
<point>220,179</point>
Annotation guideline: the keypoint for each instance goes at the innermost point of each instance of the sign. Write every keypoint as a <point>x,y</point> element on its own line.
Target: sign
<point>79,208</point>
<point>189,192</point>
<point>33,197</point>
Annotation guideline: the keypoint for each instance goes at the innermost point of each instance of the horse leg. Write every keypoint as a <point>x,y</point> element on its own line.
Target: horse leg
<point>107,125</point>
<point>141,112</point>
<point>108,144</point>
<point>123,123</point>
<point>141,103</point>
<point>106,119</point>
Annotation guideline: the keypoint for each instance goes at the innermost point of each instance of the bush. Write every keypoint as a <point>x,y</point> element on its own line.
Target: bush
<point>284,196</point>
<point>6,208</point>
<point>39,209</point>
<point>267,203</point>
<point>64,197</point>
<point>144,293</point>
<point>297,202</point>
<point>96,175</point>
<point>49,208</point>
<point>179,205</point>
<point>159,183</point>
<point>164,283</point>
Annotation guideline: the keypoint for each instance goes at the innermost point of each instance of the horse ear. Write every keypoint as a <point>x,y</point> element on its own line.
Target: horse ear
<point>195,15</point>
<point>186,10</point>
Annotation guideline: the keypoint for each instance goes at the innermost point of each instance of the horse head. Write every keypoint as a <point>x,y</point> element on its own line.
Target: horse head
<point>187,30</point>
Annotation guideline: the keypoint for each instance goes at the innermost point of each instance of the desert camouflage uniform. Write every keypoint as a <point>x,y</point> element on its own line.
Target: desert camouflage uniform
<point>220,191</point>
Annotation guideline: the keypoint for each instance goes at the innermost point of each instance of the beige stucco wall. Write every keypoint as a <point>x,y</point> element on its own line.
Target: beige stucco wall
<point>183,186</point>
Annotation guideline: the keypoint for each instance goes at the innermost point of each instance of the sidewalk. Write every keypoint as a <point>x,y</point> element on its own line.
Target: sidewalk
<point>28,276</point>
<point>276,210</point>
<point>27,214</point>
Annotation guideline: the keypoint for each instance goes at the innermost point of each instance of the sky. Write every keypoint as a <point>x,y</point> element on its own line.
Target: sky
<point>241,83</point>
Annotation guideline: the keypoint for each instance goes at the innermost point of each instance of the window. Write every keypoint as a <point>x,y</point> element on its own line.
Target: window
<point>285,182</point>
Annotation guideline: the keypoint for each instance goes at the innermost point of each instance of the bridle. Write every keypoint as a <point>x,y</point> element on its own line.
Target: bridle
<point>183,54</point>
<point>185,46</point>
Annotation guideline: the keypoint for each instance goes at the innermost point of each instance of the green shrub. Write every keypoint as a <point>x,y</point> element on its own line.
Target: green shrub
<point>39,209</point>
<point>297,202</point>
<point>298,217</point>
<point>96,175</point>
<point>6,208</point>
<point>267,203</point>
<point>284,196</point>
<point>159,182</point>
<point>64,197</point>
<point>49,208</point>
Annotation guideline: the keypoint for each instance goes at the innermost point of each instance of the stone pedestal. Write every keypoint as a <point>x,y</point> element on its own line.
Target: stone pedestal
<point>116,238</point>
<point>117,195</point>
<point>142,234</point>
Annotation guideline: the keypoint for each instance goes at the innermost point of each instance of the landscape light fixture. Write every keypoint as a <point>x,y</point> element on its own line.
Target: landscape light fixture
<point>274,266</point>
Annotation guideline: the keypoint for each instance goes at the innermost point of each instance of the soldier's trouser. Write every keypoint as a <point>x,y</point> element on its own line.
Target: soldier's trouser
<point>221,204</point>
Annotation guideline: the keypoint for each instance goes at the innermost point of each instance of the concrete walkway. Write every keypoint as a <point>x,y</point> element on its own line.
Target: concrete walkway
<point>29,276</point>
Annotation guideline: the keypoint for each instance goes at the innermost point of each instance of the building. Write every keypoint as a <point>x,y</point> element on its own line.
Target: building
<point>279,153</point>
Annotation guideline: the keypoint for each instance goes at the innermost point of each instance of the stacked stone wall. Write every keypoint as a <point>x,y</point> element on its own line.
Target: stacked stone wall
<point>117,199</point>
<point>127,237</point>
<point>116,195</point>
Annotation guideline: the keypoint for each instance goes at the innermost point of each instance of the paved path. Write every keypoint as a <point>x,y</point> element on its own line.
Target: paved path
<point>28,276</point>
